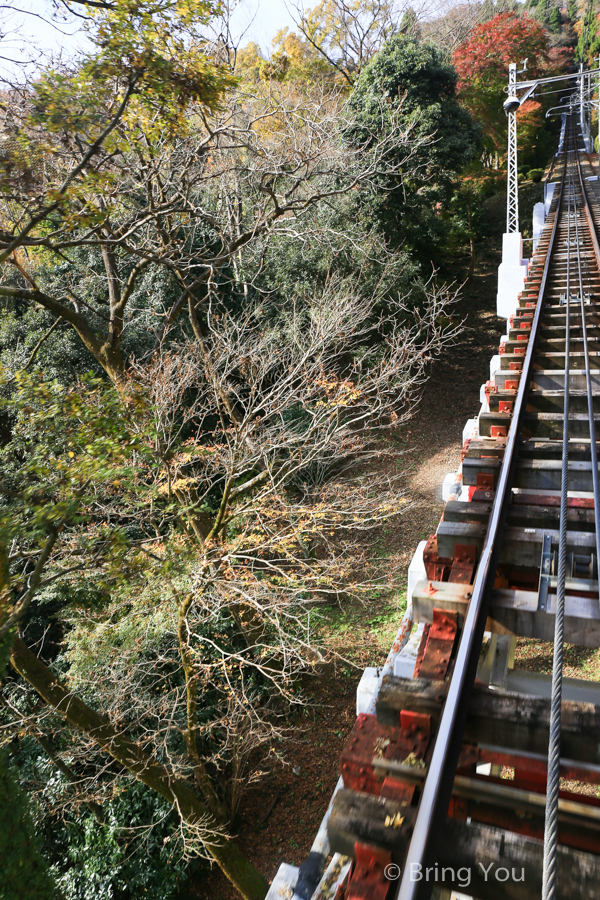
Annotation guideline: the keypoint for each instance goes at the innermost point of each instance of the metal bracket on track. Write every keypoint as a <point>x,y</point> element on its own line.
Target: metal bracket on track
<point>545,573</point>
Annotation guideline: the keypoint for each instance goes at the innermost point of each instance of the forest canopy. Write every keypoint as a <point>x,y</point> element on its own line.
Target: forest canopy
<point>226,273</point>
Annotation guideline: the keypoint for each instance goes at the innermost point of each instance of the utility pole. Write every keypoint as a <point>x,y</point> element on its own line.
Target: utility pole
<point>512,187</point>
<point>589,107</point>
<point>586,110</point>
<point>581,121</point>
<point>512,271</point>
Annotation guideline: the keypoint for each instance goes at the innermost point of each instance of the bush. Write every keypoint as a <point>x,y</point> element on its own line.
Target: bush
<point>24,873</point>
<point>135,854</point>
<point>535,175</point>
<point>555,20</point>
<point>419,86</point>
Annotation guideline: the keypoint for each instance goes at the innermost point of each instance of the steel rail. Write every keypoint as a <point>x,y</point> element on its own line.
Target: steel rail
<point>437,789</point>
<point>588,375</point>
<point>549,871</point>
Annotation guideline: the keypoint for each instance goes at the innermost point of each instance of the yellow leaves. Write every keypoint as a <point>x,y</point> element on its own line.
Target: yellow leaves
<point>178,484</point>
<point>411,760</point>
<point>339,393</point>
<point>380,747</point>
<point>394,821</point>
<point>228,573</point>
<point>158,47</point>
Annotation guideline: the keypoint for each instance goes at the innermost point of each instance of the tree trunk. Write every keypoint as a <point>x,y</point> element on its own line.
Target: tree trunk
<point>240,871</point>
<point>191,734</point>
<point>111,349</point>
<point>471,242</point>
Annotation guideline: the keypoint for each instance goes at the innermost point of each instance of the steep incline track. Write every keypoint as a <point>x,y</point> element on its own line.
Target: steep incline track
<point>448,780</point>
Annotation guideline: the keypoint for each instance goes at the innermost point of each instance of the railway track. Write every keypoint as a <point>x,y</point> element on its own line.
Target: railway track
<point>446,784</point>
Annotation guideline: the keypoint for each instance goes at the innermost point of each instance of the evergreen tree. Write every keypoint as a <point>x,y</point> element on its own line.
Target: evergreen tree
<point>413,82</point>
<point>24,873</point>
<point>572,11</point>
<point>555,20</point>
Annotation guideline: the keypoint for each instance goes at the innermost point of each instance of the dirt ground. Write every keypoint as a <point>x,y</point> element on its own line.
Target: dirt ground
<point>279,819</point>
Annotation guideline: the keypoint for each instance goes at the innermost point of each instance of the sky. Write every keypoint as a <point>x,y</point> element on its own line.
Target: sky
<point>30,30</point>
<point>269,17</point>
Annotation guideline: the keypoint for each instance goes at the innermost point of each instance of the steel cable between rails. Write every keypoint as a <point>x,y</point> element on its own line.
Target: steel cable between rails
<point>437,789</point>
<point>549,874</point>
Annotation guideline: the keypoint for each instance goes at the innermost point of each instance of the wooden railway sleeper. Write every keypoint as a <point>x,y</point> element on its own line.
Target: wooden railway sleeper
<point>385,766</point>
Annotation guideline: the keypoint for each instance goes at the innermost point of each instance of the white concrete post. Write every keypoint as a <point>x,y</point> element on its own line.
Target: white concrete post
<point>538,223</point>
<point>512,273</point>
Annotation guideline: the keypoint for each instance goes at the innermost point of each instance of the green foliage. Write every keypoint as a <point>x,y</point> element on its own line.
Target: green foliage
<point>24,872</point>
<point>413,84</point>
<point>415,80</point>
<point>71,460</point>
<point>5,650</point>
<point>82,272</point>
<point>294,269</point>
<point>555,20</point>
<point>153,50</point>
<point>587,25</point>
<point>64,439</point>
<point>150,41</point>
<point>127,479</point>
<point>572,8</point>
<point>149,61</point>
<point>61,356</point>
<point>136,854</point>
<point>535,175</point>
<point>463,217</point>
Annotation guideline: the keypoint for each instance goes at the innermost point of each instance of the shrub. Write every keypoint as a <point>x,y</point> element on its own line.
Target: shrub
<point>24,873</point>
<point>535,175</point>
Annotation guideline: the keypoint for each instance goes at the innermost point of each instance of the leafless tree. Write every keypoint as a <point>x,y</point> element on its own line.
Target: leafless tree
<point>242,539</point>
<point>348,33</point>
<point>218,496</point>
<point>189,205</point>
<point>454,23</point>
